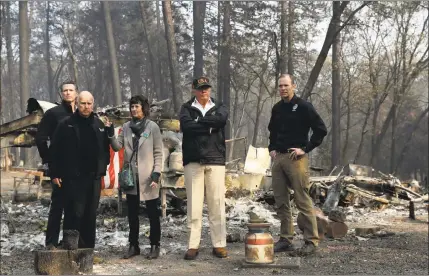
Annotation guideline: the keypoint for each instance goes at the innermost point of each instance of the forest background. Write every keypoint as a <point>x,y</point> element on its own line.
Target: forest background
<point>363,65</point>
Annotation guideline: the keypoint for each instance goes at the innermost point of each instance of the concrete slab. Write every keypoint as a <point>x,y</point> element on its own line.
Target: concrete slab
<point>281,262</point>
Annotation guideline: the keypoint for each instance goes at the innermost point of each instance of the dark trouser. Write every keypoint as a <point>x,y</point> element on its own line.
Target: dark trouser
<point>82,196</point>
<point>293,174</point>
<point>55,215</point>
<point>152,209</point>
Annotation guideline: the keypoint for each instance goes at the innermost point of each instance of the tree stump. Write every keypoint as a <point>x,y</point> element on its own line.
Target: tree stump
<point>322,222</point>
<point>336,230</point>
<point>63,262</point>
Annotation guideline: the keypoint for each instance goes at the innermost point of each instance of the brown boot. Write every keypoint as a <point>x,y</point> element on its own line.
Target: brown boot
<point>307,249</point>
<point>191,254</point>
<point>220,252</point>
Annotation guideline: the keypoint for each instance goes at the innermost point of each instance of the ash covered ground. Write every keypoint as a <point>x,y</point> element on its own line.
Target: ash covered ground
<point>400,247</point>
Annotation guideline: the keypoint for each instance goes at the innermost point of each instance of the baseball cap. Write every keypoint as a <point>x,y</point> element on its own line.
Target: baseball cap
<point>201,82</point>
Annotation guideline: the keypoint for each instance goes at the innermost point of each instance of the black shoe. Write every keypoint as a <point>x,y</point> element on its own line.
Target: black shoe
<point>50,247</point>
<point>70,239</point>
<point>154,252</point>
<point>307,249</point>
<point>133,250</point>
<point>283,245</point>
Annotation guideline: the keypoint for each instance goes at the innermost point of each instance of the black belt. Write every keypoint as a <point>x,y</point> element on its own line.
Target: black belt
<point>286,151</point>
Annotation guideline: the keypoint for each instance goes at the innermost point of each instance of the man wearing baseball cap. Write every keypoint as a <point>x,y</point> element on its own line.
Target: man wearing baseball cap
<point>202,121</point>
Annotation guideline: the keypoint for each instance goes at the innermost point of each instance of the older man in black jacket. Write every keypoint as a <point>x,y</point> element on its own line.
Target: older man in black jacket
<point>80,152</point>
<point>45,133</point>
<point>203,121</point>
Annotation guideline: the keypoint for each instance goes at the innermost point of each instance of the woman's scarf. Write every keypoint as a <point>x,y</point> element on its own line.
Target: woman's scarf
<point>138,126</point>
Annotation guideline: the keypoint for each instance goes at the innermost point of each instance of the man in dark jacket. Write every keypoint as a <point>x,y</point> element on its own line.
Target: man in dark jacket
<point>45,133</point>
<point>202,121</point>
<point>291,120</point>
<point>80,153</point>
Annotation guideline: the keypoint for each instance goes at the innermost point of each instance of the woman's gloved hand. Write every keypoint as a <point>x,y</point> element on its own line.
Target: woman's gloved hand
<point>155,177</point>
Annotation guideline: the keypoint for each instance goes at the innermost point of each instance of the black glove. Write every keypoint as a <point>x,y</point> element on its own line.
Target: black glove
<point>110,130</point>
<point>155,177</point>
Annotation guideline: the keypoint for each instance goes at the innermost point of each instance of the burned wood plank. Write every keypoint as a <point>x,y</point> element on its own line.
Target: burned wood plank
<point>366,194</point>
<point>333,195</point>
<point>21,123</point>
<point>363,231</point>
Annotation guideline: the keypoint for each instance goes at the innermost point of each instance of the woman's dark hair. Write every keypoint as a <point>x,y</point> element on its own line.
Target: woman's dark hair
<point>143,101</point>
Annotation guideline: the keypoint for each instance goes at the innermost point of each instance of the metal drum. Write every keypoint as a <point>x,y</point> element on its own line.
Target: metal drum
<point>259,244</point>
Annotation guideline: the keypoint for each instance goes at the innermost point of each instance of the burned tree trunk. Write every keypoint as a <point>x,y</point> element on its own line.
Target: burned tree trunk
<point>52,94</point>
<point>225,59</point>
<point>290,38</point>
<point>283,38</point>
<point>24,64</point>
<point>172,53</point>
<point>329,38</point>
<point>154,79</point>
<point>9,54</point>
<point>24,55</point>
<point>199,12</point>
<point>336,87</point>
<point>112,53</point>
<point>163,91</point>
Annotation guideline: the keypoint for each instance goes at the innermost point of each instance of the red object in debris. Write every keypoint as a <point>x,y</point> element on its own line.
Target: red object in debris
<point>110,180</point>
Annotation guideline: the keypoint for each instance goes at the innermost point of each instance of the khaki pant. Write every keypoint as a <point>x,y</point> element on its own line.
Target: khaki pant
<point>211,178</point>
<point>293,174</point>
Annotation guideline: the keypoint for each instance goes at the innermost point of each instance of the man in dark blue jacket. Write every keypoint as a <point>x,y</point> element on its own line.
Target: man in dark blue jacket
<point>45,132</point>
<point>202,121</point>
<point>291,120</point>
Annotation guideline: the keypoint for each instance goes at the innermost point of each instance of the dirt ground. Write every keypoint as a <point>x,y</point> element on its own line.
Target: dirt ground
<point>404,252</point>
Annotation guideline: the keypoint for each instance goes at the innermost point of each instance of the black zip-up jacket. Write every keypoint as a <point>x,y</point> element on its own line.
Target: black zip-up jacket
<point>47,127</point>
<point>67,148</point>
<point>203,136</point>
<point>290,123</point>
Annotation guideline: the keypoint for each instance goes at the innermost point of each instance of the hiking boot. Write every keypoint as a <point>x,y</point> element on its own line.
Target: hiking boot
<point>154,252</point>
<point>220,252</point>
<point>191,254</point>
<point>283,245</point>
<point>307,249</point>
<point>133,250</point>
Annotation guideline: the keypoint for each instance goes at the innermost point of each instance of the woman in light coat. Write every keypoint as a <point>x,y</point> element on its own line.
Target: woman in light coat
<point>146,167</point>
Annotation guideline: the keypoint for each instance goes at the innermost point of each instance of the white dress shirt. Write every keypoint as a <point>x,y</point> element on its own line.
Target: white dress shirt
<point>203,110</point>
